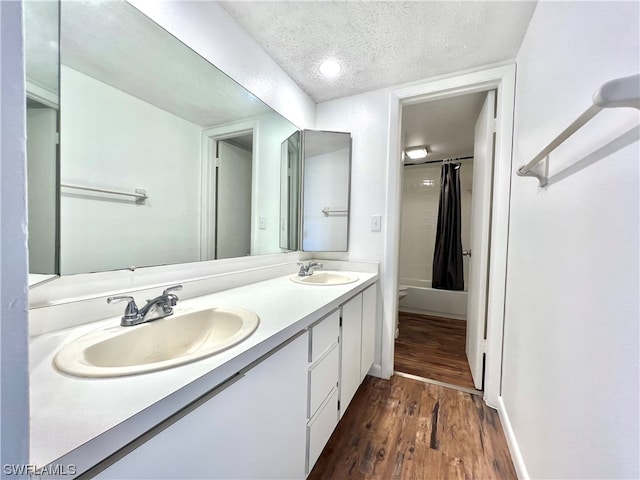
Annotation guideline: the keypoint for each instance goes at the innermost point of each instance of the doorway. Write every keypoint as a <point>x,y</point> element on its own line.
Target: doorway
<point>42,175</point>
<point>228,223</point>
<point>502,80</point>
<point>233,197</point>
<point>441,318</point>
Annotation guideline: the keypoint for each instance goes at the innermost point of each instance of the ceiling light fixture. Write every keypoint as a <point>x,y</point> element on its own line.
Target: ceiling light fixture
<point>416,153</point>
<point>330,68</point>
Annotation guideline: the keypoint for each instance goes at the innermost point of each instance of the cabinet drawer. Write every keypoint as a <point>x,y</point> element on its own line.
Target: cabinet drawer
<point>320,428</point>
<point>323,377</point>
<point>323,335</point>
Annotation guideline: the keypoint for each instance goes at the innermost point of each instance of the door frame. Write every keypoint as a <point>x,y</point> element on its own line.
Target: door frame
<point>499,78</point>
<point>208,181</point>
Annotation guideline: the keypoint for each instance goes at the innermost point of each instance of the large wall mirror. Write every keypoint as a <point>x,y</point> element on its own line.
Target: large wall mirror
<point>163,158</point>
<point>42,106</point>
<point>315,176</point>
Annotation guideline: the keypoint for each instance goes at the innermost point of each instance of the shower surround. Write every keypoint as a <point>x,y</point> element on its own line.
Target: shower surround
<point>421,189</point>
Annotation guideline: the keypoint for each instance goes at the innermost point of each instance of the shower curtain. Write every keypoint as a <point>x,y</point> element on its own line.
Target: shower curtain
<point>447,271</point>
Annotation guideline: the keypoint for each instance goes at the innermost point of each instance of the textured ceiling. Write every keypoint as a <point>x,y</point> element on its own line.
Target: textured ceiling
<point>116,44</point>
<point>41,44</point>
<point>381,43</point>
<point>447,126</point>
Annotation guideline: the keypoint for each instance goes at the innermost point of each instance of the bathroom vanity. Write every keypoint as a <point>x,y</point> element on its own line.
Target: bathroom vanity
<point>264,408</point>
<point>261,406</point>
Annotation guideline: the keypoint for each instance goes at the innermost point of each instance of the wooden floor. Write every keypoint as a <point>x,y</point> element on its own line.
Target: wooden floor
<point>403,429</point>
<point>433,348</point>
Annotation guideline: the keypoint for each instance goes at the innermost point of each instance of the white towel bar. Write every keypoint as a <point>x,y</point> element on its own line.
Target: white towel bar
<point>621,92</point>
<point>140,195</point>
<point>326,211</point>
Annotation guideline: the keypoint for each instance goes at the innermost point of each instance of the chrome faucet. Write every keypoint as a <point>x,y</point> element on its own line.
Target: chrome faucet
<point>156,308</point>
<point>306,270</point>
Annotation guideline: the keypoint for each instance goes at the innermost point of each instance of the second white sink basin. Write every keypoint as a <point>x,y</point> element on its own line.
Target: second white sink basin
<point>324,277</point>
<point>184,337</point>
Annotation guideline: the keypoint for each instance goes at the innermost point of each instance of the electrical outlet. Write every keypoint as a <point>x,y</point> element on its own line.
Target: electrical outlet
<point>376,222</point>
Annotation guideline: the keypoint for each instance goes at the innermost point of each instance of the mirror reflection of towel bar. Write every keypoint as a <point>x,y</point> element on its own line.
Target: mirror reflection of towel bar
<point>140,195</point>
<point>326,211</point>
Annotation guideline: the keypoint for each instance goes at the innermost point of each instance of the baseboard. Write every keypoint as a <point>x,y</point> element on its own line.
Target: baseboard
<point>430,313</point>
<point>512,443</point>
<point>376,371</point>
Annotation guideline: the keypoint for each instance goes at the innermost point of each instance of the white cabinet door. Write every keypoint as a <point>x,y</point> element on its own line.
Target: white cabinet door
<point>350,350</point>
<point>323,378</point>
<point>324,375</point>
<point>254,429</point>
<point>321,426</point>
<point>368,330</point>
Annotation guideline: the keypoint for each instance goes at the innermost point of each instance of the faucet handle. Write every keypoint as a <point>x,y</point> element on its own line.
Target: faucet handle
<point>131,311</point>
<point>171,289</point>
<point>173,298</point>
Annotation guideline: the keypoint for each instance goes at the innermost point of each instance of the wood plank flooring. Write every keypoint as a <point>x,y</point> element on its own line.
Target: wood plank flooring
<point>403,429</point>
<point>433,348</point>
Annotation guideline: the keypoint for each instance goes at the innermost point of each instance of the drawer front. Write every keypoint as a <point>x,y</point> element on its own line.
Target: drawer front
<point>323,377</point>
<point>320,429</point>
<point>324,334</point>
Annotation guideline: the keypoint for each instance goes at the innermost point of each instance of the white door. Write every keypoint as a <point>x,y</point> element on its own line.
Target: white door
<point>350,348</point>
<point>41,174</point>
<point>367,355</point>
<point>233,206</point>
<point>480,223</point>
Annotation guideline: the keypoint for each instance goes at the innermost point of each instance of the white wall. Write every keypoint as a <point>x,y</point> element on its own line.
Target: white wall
<point>209,30</point>
<point>571,358</point>
<point>365,116</point>
<point>14,363</point>
<point>106,144</point>
<point>419,223</point>
<point>326,184</point>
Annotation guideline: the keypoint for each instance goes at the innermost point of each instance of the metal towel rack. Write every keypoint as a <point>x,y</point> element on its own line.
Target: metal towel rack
<point>621,92</point>
<point>326,211</point>
<point>140,195</point>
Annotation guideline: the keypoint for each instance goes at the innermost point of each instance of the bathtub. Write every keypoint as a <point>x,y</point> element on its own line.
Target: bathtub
<point>421,298</point>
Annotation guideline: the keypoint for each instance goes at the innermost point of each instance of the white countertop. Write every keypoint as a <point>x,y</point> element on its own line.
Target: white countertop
<point>67,412</point>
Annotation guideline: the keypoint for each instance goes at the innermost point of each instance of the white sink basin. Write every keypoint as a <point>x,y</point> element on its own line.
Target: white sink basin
<point>322,277</point>
<point>184,337</point>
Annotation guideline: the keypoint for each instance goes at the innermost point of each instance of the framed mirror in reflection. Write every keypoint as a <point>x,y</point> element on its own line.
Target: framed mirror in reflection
<point>42,106</point>
<point>325,199</point>
<point>290,192</point>
<point>163,158</point>
<point>315,178</point>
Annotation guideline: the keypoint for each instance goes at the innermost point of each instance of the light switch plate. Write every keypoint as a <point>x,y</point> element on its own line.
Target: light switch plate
<point>376,222</point>
<point>262,223</point>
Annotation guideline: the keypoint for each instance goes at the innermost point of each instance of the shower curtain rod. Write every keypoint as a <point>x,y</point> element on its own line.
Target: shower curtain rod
<point>439,161</point>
